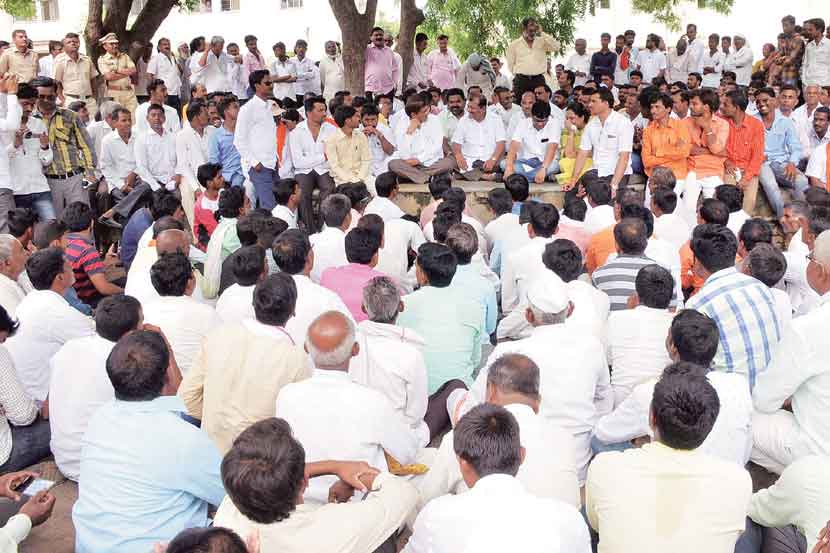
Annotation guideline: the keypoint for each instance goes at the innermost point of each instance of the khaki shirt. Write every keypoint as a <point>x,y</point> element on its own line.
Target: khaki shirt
<point>75,76</point>
<point>108,63</point>
<point>349,157</point>
<point>526,60</point>
<point>22,65</point>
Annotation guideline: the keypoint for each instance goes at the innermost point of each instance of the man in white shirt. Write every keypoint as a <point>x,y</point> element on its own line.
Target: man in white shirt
<point>816,66</point>
<point>796,376</point>
<point>549,467</point>
<point>308,154</point>
<point>637,336</point>
<point>255,139</point>
<point>267,459</point>
<point>695,49</point>
<point>46,64</point>
<point>383,204</point>
<point>287,197</point>
<point>498,506</point>
<point>390,357</point>
<point>283,73</point>
<point>12,262</point>
<point>164,66</point>
<point>534,145</point>
<point>236,303</point>
<point>651,61</point>
<point>191,153</point>
<point>381,139</point>
<point>47,321</point>
<point>29,153</point>
<point>478,142</point>
<point>712,62</point>
<point>504,106</point>
<point>155,152</point>
<point>525,107</point>
<point>575,385</point>
<point>184,321</point>
<point>97,130</point>
<point>210,67</point>
<point>350,421</point>
<point>691,343</point>
<point>522,266</point>
<point>418,75</point>
<point>682,414</point>
<point>237,74</point>
<point>332,77</point>
<point>579,62</point>
<point>80,383</point>
<point>157,91</point>
<point>119,168</point>
<point>304,71</point>
<point>294,255</point>
<point>740,61</point>
<point>504,220</point>
<point>419,143</point>
<point>608,138</point>
<point>328,244</point>
<point>668,225</point>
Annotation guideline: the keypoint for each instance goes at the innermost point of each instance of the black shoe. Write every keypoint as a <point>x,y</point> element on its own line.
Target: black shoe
<point>110,222</point>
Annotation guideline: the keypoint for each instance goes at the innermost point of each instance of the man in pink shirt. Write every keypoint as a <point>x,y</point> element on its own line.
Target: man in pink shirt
<point>348,281</point>
<point>381,72</point>
<point>253,60</point>
<point>443,65</point>
<point>572,225</point>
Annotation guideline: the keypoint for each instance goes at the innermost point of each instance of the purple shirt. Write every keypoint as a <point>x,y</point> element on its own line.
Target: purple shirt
<point>348,282</point>
<point>381,69</point>
<point>252,63</point>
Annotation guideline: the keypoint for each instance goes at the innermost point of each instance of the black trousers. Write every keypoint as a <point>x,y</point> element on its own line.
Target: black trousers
<point>175,103</point>
<point>127,204</point>
<point>436,417</point>
<point>308,182</point>
<point>524,83</point>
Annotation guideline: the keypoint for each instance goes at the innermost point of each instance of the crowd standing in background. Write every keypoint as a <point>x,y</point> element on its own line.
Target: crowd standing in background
<point>217,318</point>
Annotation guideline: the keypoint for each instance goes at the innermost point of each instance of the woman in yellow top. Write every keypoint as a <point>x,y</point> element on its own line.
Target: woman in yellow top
<point>576,117</point>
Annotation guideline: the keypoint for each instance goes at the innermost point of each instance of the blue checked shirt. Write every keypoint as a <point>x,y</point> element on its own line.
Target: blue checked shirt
<point>744,310</point>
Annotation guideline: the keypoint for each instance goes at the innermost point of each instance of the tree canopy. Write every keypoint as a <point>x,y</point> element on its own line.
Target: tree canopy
<point>487,26</point>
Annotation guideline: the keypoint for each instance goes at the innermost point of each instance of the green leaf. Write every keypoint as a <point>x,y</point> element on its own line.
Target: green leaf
<point>20,9</point>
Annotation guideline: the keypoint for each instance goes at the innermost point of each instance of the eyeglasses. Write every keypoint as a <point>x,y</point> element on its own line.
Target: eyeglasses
<point>46,96</point>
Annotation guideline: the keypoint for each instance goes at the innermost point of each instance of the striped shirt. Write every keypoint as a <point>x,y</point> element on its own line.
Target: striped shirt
<point>71,144</point>
<point>18,408</point>
<point>744,310</point>
<point>616,278</point>
<point>85,261</point>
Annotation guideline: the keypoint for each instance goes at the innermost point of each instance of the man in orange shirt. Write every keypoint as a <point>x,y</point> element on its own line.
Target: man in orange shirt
<point>666,141</point>
<point>603,243</point>
<point>744,148</point>
<point>709,134</point>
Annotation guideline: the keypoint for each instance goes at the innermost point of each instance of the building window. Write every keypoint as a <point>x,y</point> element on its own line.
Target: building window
<point>49,10</point>
<point>701,4</point>
<point>205,6</point>
<point>230,5</point>
<point>292,4</point>
<point>604,4</point>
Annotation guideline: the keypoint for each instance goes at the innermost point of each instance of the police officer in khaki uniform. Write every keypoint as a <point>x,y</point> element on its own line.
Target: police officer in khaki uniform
<point>116,67</point>
<point>75,74</point>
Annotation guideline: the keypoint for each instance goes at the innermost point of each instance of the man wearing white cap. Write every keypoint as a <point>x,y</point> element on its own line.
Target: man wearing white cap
<point>740,61</point>
<point>798,376</point>
<point>116,67</point>
<point>574,380</point>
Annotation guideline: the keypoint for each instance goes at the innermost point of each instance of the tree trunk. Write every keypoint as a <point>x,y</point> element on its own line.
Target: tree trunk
<point>110,16</point>
<point>354,28</point>
<point>411,17</point>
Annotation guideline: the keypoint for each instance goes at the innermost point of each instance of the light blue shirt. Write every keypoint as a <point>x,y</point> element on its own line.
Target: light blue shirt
<point>146,475</point>
<point>221,150</point>
<point>781,141</point>
<point>468,281</point>
<point>451,327</point>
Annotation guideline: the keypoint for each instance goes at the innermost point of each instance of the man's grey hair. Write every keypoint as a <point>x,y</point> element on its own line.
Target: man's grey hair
<point>216,39</point>
<point>337,357</point>
<point>515,373</point>
<point>463,241</point>
<point>6,246</point>
<point>543,318</point>
<point>107,108</point>
<point>381,299</point>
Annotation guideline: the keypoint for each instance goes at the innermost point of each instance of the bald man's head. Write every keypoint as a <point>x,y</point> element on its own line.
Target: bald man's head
<point>172,241</point>
<point>331,341</point>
